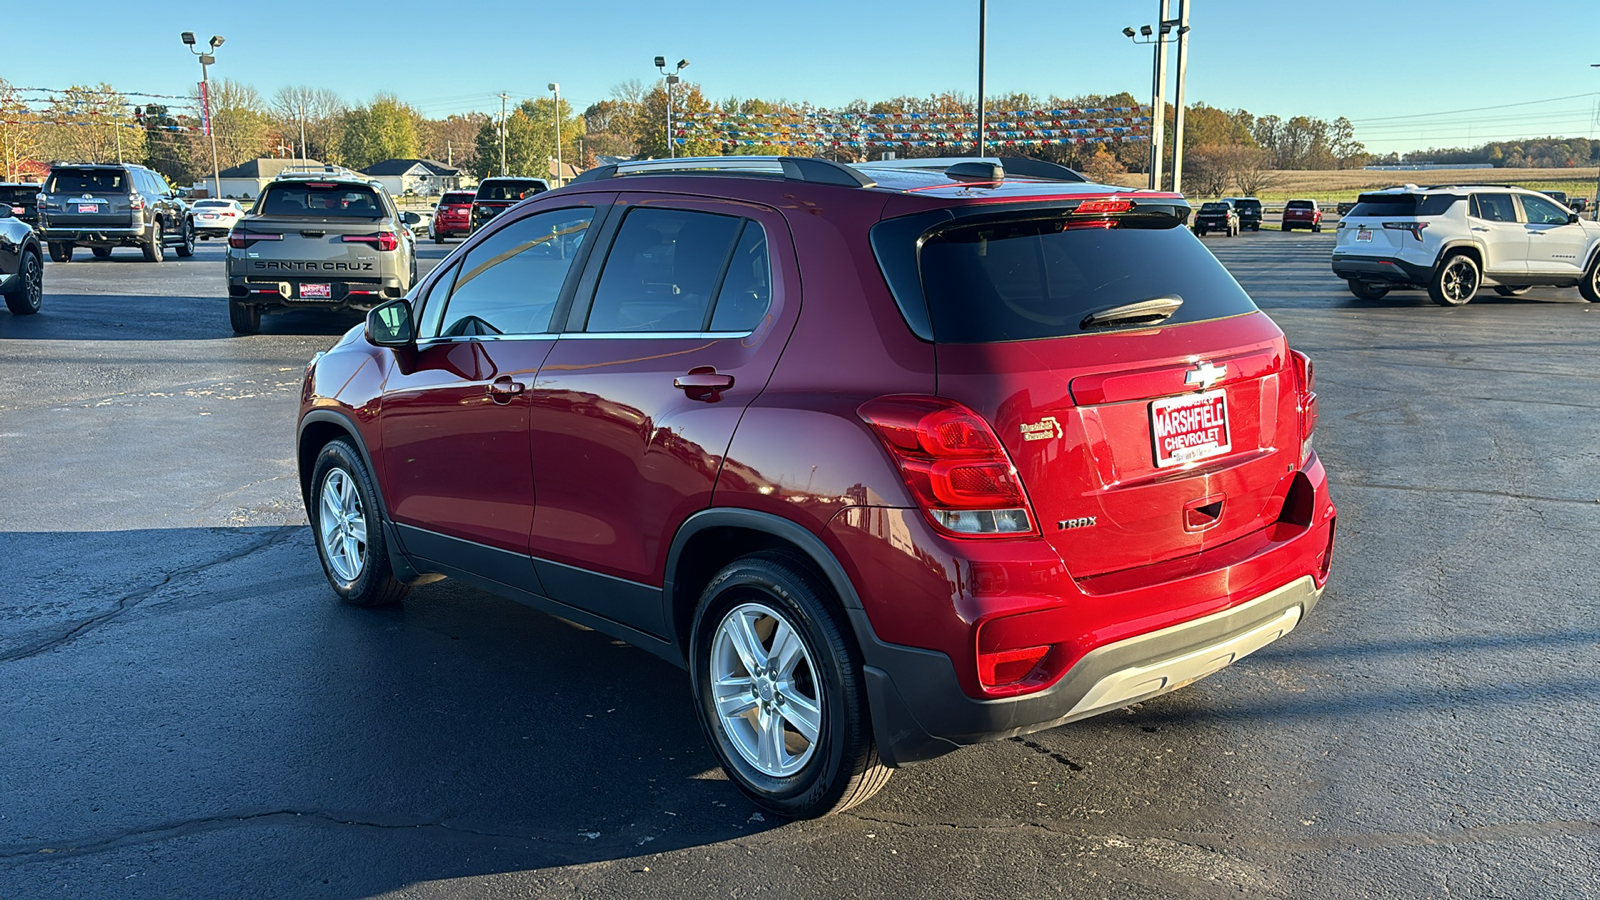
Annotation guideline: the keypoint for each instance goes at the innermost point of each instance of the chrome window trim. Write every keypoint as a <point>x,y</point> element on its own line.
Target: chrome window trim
<point>653,335</point>
<point>463,338</point>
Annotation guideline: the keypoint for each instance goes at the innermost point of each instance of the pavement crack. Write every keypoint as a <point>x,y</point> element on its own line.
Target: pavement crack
<point>131,600</point>
<point>1420,489</point>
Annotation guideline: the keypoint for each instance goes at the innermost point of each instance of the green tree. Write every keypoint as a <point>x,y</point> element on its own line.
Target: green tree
<point>530,140</point>
<point>651,123</point>
<point>384,129</point>
<point>90,124</point>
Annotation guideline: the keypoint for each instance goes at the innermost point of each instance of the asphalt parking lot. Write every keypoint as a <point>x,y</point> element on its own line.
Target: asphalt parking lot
<point>186,711</point>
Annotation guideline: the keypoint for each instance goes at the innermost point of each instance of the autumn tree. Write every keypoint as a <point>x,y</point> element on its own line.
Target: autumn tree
<point>18,137</point>
<point>312,119</point>
<point>384,129</point>
<point>453,140</point>
<point>90,124</point>
<point>530,140</point>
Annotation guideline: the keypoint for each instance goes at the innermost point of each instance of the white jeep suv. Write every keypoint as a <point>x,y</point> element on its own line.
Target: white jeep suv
<point>1453,239</point>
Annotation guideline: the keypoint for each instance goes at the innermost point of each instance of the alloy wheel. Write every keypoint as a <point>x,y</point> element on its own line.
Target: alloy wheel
<point>765,689</point>
<point>342,525</point>
<point>1460,280</point>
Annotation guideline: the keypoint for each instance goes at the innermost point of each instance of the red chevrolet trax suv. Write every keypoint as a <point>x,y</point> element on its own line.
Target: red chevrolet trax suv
<point>453,216</point>
<point>892,458</point>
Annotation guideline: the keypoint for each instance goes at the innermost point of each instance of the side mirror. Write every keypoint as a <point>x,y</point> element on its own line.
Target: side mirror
<point>410,218</point>
<point>391,325</point>
<point>1572,218</point>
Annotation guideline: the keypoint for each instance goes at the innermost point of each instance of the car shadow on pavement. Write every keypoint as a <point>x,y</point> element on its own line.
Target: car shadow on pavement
<point>199,688</point>
<point>134,317</point>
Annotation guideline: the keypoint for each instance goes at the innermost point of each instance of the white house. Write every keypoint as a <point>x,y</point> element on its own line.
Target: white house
<point>246,180</point>
<point>422,177</point>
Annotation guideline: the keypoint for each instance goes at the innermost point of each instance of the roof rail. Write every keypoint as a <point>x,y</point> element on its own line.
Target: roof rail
<point>1014,166</point>
<point>322,171</point>
<point>813,170</point>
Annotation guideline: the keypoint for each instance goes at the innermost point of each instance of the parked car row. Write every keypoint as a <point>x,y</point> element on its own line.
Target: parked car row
<point>110,205</point>
<point>1232,215</point>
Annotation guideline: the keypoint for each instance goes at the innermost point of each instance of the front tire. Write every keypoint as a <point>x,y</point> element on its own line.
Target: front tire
<point>1367,291</point>
<point>346,525</point>
<point>27,294</point>
<point>1455,281</point>
<point>155,251</point>
<point>245,317</point>
<point>1317,228</point>
<point>60,251</point>
<point>778,689</point>
<point>1589,287</point>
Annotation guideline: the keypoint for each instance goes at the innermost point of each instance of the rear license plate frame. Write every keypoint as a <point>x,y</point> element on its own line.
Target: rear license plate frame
<point>314,292</point>
<point>1177,440</point>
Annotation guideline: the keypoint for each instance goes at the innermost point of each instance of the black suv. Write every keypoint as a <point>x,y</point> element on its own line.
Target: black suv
<point>1249,212</point>
<point>105,206</point>
<point>496,195</point>
<point>1217,215</point>
<point>22,200</point>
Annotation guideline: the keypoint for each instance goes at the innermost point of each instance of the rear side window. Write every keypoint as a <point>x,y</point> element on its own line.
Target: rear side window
<point>321,200</point>
<point>509,284</point>
<point>663,270</point>
<point>1494,207</point>
<point>76,181</point>
<point>1031,279</point>
<point>1390,205</point>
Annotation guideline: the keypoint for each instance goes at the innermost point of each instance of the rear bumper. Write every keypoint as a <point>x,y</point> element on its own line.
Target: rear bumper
<point>285,292</point>
<point>91,235</point>
<point>1382,269</point>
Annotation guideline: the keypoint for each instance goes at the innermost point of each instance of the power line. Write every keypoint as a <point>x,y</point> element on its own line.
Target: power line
<point>1451,112</point>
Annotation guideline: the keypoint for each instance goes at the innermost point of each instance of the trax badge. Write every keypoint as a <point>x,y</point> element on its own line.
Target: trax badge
<point>1205,374</point>
<point>1084,522</point>
<point>1042,430</point>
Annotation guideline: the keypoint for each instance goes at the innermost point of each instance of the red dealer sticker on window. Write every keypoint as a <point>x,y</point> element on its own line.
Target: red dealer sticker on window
<point>1193,426</point>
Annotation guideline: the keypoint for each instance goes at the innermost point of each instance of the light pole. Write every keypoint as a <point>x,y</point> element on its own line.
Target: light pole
<point>206,59</point>
<point>1177,101</point>
<point>1156,36</point>
<point>672,79</point>
<point>983,42</point>
<point>555,88</point>
<point>1594,211</point>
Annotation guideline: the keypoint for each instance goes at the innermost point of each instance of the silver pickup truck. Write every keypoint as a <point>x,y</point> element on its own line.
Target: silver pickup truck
<point>320,241</point>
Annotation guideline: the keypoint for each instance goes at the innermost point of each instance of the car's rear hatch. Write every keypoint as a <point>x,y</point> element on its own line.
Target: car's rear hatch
<point>1142,435</point>
<point>322,232</point>
<point>87,198</point>
<point>1384,223</point>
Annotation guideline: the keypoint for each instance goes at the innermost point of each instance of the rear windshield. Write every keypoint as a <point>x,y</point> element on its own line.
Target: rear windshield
<point>1301,204</point>
<point>1214,207</point>
<point>1028,279</point>
<point>1402,204</point>
<point>201,204</point>
<point>456,197</point>
<point>508,190</point>
<point>26,194</point>
<point>1253,205</point>
<point>321,200</point>
<point>77,181</point>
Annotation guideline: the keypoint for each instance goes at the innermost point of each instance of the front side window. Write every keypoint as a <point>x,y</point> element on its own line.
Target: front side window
<point>663,271</point>
<point>1542,212</point>
<point>509,284</point>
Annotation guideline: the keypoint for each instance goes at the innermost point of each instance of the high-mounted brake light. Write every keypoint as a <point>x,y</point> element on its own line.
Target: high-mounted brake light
<point>953,464</point>
<point>320,184</point>
<point>1305,400</point>
<point>239,240</point>
<point>1413,228</point>
<point>1102,206</point>
<point>383,240</point>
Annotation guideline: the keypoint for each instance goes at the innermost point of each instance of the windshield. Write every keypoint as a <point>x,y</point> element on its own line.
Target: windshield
<point>77,181</point>
<point>1040,278</point>
<point>321,200</point>
<point>508,190</point>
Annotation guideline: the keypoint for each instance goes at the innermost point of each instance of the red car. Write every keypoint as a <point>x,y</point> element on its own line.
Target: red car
<point>453,216</point>
<point>892,458</point>
<point>1302,214</point>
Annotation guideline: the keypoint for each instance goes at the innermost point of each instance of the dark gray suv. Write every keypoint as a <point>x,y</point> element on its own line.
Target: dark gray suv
<point>104,206</point>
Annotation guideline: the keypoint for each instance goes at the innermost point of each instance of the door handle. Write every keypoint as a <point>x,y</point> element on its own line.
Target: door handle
<point>502,389</point>
<point>1479,228</point>
<point>703,383</point>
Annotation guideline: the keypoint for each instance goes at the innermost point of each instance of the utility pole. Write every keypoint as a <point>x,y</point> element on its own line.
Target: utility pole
<point>556,89</point>
<point>503,98</point>
<point>1177,121</point>
<point>1158,128</point>
<point>449,154</point>
<point>304,153</point>
<point>983,26</point>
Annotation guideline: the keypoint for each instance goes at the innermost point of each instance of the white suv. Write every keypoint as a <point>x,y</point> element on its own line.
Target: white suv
<point>1452,239</point>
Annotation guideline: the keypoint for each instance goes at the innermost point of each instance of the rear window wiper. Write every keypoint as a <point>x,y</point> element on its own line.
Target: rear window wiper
<point>1155,309</point>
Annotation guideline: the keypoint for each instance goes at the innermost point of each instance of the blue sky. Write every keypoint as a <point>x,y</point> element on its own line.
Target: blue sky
<point>1399,70</point>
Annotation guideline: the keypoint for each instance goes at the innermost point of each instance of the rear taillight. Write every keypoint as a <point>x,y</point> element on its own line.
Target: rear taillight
<point>953,464</point>
<point>239,240</point>
<point>1305,400</point>
<point>136,201</point>
<point>1005,668</point>
<point>383,240</point>
<point>1412,228</point>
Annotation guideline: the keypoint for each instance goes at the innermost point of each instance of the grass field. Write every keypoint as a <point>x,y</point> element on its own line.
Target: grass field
<point>1345,184</point>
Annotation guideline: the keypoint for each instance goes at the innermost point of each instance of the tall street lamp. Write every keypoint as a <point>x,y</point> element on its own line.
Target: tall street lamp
<point>1156,36</point>
<point>672,79</point>
<point>555,88</point>
<point>206,59</point>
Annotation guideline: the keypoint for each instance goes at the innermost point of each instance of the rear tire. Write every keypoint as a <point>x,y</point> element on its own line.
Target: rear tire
<point>245,317</point>
<point>790,727</point>
<point>101,252</point>
<point>60,252</point>
<point>27,292</point>
<point>1367,291</point>
<point>438,239</point>
<point>1455,281</point>
<point>186,249</point>
<point>1317,228</point>
<point>1286,228</point>
<point>1506,290</point>
<point>1589,287</point>
<point>347,528</point>
<point>155,251</point>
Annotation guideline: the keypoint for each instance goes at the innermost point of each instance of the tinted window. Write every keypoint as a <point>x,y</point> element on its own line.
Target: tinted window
<point>321,200</point>
<point>509,284</point>
<point>1248,205</point>
<point>19,196</point>
<point>1494,207</point>
<point>662,271</point>
<point>1540,211</point>
<point>508,190</point>
<point>747,289</point>
<point>1215,208</point>
<point>1403,205</point>
<point>457,197</point>
<point>1301,204</point>
<point>77,181</point>
<point>1029,279</point>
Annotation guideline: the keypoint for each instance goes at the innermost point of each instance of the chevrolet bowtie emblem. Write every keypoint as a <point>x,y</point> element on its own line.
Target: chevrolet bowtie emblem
<point>1206,374</point>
